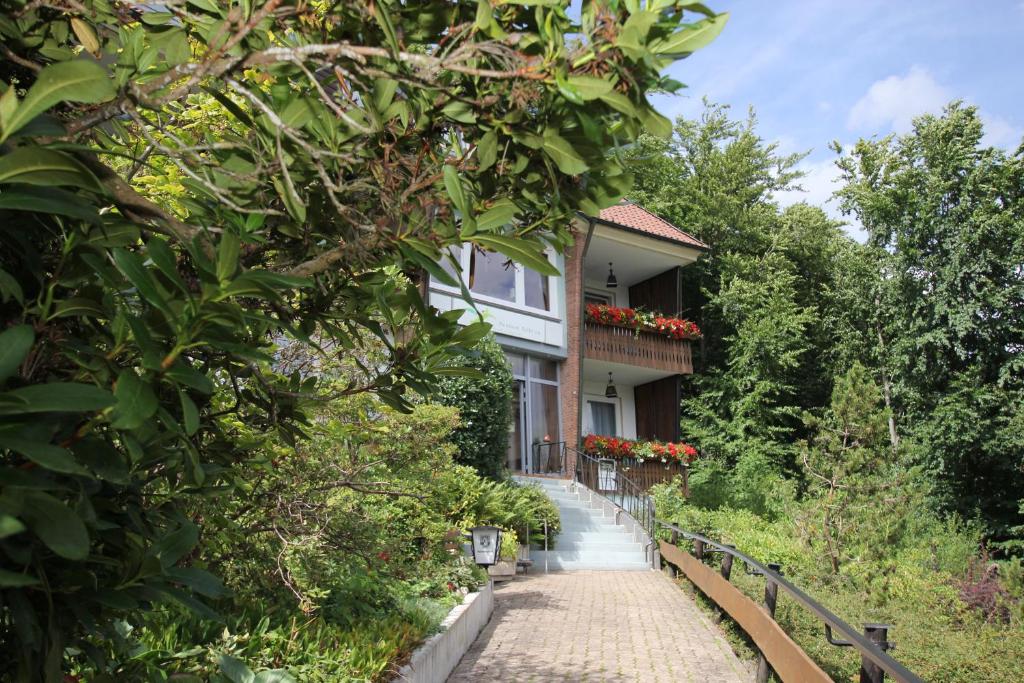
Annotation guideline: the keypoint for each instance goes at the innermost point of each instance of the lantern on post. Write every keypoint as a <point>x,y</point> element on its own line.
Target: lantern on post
<point>486,544</point>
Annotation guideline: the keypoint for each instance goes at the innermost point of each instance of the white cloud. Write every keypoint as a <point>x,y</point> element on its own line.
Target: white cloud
<point>891,104</point>
<point>1001,133</point>
<point>821,179</point>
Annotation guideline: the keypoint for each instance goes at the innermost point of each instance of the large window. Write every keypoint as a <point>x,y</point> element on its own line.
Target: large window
<point>600,417</point>
<point>536,413</point>
<point>492,277</point>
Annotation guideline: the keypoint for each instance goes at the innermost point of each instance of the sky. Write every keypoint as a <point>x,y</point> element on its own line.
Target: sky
<point>824,70</point>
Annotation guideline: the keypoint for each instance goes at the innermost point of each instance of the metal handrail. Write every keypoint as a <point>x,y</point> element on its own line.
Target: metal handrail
<point>560,445</point>
<point>630,497</point>
<point>867,648</point>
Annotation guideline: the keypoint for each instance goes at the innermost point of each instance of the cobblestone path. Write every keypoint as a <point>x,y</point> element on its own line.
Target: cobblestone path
<point>598,626</point>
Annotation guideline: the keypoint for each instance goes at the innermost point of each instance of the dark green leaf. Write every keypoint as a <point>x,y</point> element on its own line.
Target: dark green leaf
<point>15,343</point>
<point>235,669</point>
<point>14,580</point>
<point>176,544</point>
<point>40,166</point>
<point>46,455</point>
<point>56,525</point>
<point>136,401</point>
<point>563,154</point>
<point>51,200</point>
<point>9,526</point>
<point>57,397</point>
<point>79,80</point>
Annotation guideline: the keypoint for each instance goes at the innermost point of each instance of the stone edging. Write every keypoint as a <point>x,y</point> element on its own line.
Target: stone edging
<point>438,656</point>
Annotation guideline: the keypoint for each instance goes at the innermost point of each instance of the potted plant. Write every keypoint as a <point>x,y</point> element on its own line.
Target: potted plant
<point>505,568</point>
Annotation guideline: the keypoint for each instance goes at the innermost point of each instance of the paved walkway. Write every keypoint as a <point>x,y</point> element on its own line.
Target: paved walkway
<point>590,626</point>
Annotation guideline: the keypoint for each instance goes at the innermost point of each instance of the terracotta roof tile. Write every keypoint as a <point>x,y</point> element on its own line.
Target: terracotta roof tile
<point>633,216</point>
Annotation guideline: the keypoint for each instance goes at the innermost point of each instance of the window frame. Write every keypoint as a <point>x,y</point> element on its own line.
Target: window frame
<point>519,303</point>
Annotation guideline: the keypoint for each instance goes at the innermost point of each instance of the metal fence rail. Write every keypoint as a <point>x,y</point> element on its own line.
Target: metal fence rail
<point>872,645</point>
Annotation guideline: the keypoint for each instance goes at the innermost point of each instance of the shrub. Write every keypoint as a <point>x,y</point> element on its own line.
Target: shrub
<point>485,409</point>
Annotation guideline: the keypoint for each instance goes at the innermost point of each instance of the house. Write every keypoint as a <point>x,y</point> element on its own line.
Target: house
<point>578,374</point>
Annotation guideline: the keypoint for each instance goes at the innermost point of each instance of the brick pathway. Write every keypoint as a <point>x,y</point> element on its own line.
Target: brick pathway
<point>590,626</point>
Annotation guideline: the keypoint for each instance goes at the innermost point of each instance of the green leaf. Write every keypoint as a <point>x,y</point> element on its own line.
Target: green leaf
<point>655,123</point>
<point>227,256</point>
<point>46,455</point>
<point>40,166</point>
<point>56,525</point>
<point>129,263</point>
<point>75,306</point>
<point>692,38</point>
<point>487,150</point>
<point>175,545</point>
<point>459,111</point>
<point>15,343</point>
<point>562,153</point>
<point>500,214</point>
<point>51,200</point>
<point>590,87</point>
<point>619,103</point>
<point>190,414</point>
<point>9,526</point>
<point>199,580</point>
<point>78,80</point>
<point>57,397</point>
<point>14,580</point>
<point>454,189</point>
<point>519,251</point>
<point>235,669</point>
<point>291,199</point>
<point>136,401</point>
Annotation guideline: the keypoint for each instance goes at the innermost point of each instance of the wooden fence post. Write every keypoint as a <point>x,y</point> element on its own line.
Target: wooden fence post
<point>771,595</point>
<point>726,573</point>
<point>672,571</point>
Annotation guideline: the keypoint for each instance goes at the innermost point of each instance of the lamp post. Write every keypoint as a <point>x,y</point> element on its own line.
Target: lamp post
<point>486,544</point>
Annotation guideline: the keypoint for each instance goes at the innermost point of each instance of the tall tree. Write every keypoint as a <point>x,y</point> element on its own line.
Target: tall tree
<point>945,222</point>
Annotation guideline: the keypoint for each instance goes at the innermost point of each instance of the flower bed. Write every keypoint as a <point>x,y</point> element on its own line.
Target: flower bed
<point>634,319</point>
<point>614,447</point>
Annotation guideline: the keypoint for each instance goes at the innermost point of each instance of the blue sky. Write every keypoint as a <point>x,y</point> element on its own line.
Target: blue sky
<point>840,70</point>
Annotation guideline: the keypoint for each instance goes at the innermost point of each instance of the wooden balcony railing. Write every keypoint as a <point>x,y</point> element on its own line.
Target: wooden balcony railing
<point>643,349</point>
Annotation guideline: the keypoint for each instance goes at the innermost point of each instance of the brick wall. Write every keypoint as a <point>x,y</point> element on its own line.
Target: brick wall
<point>570,370</point>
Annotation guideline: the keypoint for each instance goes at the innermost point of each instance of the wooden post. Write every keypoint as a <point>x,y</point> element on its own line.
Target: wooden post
<point>879,635</point>
<point>771,594</point>
<point>686,480</point>
<point>726,573</point>
<point>698,549</point>
<point>672,571</point>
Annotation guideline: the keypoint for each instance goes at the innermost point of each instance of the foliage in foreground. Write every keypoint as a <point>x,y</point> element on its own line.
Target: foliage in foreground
<point>345,555</point>
<point>183,186</point>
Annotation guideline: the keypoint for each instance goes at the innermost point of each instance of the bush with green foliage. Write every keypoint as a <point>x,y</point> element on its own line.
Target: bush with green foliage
<point>485,408</point>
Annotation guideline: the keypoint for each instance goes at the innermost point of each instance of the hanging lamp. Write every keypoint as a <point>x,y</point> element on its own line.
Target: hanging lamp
<point>612,282</point>
<point>610,391</point>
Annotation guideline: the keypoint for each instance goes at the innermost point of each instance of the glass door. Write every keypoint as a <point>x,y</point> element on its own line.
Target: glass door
<point>517,429</point>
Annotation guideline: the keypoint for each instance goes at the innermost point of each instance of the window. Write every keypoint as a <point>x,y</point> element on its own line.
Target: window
<point>492,276</point>
<point>592,297</point>
<point>536,286</point>
<point>600,418</point>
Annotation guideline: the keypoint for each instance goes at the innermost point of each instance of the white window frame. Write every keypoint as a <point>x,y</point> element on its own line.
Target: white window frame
<point>519,303</point>
<point>607,297</point>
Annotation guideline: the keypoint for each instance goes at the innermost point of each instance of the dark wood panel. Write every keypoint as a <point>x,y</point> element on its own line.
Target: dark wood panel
<point>657,409</point>
<point>662,293</point>
<point>790,662</point>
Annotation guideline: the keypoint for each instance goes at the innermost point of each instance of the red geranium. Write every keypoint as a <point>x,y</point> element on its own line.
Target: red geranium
<point>673,328</point>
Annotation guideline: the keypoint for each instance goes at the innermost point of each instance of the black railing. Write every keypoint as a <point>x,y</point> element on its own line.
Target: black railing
<point>549,458</point>
<point>607,478</point>
<point>872,645</point>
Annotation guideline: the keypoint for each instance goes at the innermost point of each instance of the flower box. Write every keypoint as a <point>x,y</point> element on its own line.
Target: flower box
<point>642,321</point>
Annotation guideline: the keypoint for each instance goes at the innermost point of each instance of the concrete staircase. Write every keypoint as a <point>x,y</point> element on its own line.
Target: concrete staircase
<point>589,539</point>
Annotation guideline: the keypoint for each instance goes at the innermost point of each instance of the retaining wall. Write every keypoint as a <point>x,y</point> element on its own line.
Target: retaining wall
<point>435,659</point>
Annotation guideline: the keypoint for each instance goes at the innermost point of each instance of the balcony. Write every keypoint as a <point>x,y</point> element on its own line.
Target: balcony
<point>638,348</point>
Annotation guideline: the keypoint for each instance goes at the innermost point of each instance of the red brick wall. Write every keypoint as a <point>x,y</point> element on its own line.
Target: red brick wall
<point>570,370</point>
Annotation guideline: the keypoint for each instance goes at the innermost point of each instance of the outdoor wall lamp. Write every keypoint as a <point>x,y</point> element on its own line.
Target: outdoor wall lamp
<point>486,542</point>
<point>610,391</point>
<point>612,282</point>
